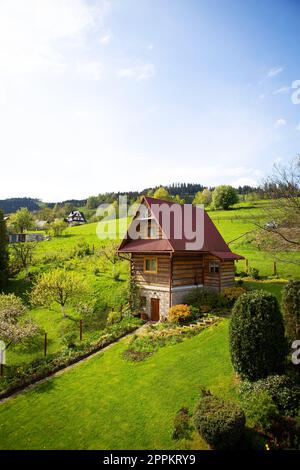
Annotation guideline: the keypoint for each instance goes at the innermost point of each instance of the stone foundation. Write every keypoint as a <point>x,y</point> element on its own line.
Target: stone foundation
<point>163,294</point>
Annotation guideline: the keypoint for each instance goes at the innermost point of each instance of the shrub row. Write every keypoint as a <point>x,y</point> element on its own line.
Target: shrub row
<point>21,376</point>
<point>205,300</point>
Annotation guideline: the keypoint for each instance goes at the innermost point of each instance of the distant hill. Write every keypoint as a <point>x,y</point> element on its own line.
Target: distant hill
<point>184,190</point>
<point>13,204</point>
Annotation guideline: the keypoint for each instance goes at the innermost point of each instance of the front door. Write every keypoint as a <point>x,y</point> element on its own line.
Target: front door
<point>155,309</point>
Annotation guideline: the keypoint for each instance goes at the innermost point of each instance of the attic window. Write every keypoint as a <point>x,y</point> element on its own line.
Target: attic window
<point>152,233</point>
<point>213,267</point>
<point>150,265</point>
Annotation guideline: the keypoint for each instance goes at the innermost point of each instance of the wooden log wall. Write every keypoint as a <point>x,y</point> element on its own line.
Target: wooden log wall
<point>142,278</point>
<point>187,270</point>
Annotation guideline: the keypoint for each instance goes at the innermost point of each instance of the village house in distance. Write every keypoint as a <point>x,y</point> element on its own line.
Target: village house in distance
<point>165,270</point>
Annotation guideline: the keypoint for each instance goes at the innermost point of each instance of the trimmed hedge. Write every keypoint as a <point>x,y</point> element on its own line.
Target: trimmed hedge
<point>291,310</point>
<point>20,377</point>
<point>258,346</point>
<point>221,423</point>
<point>284,392</point>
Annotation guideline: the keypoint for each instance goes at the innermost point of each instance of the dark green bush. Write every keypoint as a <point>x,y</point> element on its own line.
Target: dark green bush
<point>254,273</point>
<point>199,298</point>
<point>283,390</point>
<point>291,309</point>
<point>257,343</point>
<point>260,409</point>
<point>182,425</point>
<point>221,423</point>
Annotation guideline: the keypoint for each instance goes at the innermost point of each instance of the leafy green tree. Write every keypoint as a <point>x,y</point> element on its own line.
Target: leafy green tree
<point>46,213</point>
<point>110,252</point>
<point>179,199</point>
<point>61,287</point>
<point>13,328</point>
<point>257,342</point>
<point>204,197</point>
<point>57,227</point>
<point>162,193</point>
<point>23,255</point>
<point>224,196</point>
<point>3,252</point>
<point>22,220</point>
<point>92,202</point>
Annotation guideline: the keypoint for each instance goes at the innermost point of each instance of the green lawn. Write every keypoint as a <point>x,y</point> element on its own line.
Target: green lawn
<point>109,403</point>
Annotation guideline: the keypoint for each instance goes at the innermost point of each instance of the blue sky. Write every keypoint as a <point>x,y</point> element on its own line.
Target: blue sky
<point>120,95</point>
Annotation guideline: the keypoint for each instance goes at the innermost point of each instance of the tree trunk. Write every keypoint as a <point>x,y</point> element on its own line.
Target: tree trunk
<point>63,311</point>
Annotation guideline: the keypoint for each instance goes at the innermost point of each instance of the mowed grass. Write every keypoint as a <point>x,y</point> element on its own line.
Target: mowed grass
<point>109,403</point>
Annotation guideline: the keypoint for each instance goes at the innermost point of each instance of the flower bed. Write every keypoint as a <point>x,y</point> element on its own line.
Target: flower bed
<point>156,336</point>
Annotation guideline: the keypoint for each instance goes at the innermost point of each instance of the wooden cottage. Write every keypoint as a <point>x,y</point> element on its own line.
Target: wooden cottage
<point>167,267</point>
<point>76,218</point>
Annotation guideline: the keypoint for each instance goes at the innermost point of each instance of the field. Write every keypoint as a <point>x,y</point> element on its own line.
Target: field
<point>110,403</point>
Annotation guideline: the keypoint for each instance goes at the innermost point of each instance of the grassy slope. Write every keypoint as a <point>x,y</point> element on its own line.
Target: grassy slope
<point>109,403</point>
<point>236,222</point>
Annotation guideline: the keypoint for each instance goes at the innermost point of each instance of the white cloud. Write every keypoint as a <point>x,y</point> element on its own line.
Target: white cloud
<point>298,127</point>
<point>137,72</point>
<point>90,70</point>
<point>106,39</point>
<point>32,33</point>
<point>274,71</point>
<point>283,89</point>
<point>150,47</point>
<point>280,123</point>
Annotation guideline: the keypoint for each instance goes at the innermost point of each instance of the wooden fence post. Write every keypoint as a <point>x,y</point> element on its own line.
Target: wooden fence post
<point>246,265</point>
<point>45,344</point>
<point>80,329</point>
<point>274,268</point>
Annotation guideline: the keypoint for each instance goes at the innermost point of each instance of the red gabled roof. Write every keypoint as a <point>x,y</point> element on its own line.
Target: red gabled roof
<point>213,241</point>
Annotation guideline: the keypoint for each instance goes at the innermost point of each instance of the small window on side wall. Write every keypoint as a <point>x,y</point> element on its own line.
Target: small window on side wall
<point>150,265</point>
<point>143,302</point>
<point>214,267</point>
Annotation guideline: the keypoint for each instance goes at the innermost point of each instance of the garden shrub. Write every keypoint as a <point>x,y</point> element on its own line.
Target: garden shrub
<point>81,249</point>
<point>221,423</point>
<point>257,343</point>
<point>254,272</point>
<point>114,317</point>
<point>260,409</point>
<point>179,313</point>
<point>283,390</point>
<point>204,299</point>
<point>231,294</point>
<point>291,309</point>
<point>182,425</point>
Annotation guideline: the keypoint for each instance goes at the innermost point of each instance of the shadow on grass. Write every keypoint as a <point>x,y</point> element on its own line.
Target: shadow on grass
<point>46,386</point>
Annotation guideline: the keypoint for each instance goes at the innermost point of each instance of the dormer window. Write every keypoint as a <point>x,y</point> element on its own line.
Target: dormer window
<point>150,265</point>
